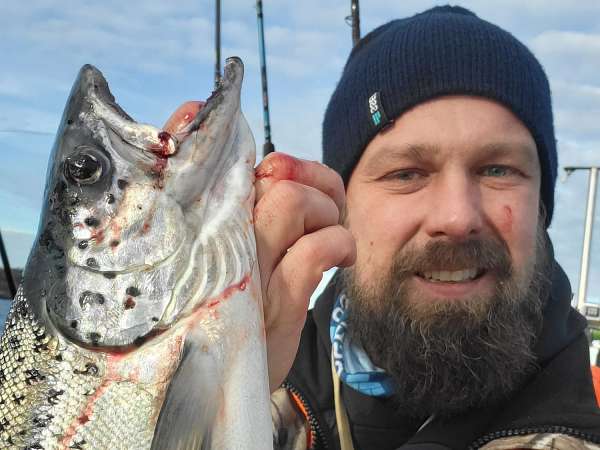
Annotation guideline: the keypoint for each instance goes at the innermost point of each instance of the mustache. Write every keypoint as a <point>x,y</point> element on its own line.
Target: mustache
<point>484,254</point>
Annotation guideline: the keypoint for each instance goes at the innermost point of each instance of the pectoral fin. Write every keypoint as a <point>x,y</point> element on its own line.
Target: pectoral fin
<point>192,400</point>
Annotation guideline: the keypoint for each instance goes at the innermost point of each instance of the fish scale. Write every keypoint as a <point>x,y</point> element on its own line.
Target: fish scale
<point>71,395</point>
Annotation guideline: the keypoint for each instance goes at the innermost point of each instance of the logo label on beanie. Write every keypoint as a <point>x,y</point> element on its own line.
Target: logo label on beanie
<point>376,111</point>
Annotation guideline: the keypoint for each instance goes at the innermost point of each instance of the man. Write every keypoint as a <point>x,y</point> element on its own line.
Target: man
<point>450,326</point>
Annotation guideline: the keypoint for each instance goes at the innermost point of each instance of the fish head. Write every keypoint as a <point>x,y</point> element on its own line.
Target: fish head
<point>130,208</point>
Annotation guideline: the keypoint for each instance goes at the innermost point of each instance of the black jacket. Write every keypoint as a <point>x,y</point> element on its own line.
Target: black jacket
<point>559,398</point>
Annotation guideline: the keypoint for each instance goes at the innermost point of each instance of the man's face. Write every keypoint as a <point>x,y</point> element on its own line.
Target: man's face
<point>452,260</point>
<point>450,170</point>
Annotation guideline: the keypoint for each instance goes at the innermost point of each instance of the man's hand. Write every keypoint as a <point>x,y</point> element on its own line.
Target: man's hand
<point>298,237</point>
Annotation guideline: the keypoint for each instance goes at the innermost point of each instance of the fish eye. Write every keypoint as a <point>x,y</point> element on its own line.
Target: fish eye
<point>84,166</point>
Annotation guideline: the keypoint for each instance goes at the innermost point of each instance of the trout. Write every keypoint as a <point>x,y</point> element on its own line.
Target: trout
<point>139,321</point>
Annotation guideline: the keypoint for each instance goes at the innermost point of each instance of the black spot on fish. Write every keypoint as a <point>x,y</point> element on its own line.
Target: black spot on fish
<point>91,222</point>
<point>39,347</point>
<point>42,420</point>
<point>109,275</point>
<point>90,369</point>
<point>91,262</point>
<point>139,207</point>
<point>33,376</point>
<point>46,238</point>
<point>78,444</point>
<point>74,324</point>
<point>58,357</point>
<point>59,191</point>
<point>139,341</point>
<point>74,199</point>
<point>83,245</point>
<point>3,424</point>
<point>53,395</point>
<point>35,446</point>
<point>69,122</point>
<point>94,337</point>
<point>115,243</point>
<point>13,342</point>
<point>18,398</point>
<point>154,319</point>
<point>133,291</point>
<point>110,199</point>
<point>89,298</point>
<point>122,183</point>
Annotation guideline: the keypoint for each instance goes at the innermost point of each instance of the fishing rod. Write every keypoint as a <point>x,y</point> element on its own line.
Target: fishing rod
<point>217,43</point>
<point>268,146</point>
<point>7,270</point>
<point>353,20</point>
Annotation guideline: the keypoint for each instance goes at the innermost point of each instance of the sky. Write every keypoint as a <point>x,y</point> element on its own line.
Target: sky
<point>156,55</point>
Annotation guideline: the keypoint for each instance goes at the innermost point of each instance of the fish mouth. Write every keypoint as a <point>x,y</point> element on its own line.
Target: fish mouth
<point>150,140</point>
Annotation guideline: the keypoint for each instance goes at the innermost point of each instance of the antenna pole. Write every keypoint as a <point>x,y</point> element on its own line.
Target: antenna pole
<point>587,234</point>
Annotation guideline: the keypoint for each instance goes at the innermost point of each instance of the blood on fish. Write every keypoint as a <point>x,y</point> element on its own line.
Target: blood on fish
<point>98,236</point>
<point>228,292</point>
<point>83,419</point>
<point>129,303</point>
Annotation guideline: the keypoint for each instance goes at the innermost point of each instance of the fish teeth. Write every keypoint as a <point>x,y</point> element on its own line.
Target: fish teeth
<point>446,275</point>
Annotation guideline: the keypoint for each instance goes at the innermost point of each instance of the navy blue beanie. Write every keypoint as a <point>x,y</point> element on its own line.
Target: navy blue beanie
<point>443,51</point>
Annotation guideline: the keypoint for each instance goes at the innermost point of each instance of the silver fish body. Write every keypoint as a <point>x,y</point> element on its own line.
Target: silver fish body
<point>138,324</point>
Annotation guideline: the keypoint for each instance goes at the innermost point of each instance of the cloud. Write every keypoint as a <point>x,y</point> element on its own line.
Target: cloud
<point>580,49</point>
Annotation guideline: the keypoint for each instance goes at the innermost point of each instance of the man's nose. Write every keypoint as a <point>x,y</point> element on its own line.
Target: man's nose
<point>456,210</point>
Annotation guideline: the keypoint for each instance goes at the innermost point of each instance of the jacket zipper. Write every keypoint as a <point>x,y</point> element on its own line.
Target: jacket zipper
<point>315,427</point>
<point>525,431</point>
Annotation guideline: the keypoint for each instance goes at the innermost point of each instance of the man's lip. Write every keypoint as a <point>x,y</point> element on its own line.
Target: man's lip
<point>455,289</point>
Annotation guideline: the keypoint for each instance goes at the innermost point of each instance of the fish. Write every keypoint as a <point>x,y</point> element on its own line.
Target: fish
<point>138,323</point>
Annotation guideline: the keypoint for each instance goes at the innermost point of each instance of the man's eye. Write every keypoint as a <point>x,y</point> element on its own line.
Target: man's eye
<point>497,171</point>
<point>403,175</point>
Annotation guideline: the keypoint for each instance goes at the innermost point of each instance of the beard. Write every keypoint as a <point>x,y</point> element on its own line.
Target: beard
<point>448,356</point>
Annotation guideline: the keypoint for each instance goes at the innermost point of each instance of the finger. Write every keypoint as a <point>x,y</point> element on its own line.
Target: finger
<point>182,116</point>
<point>291,286</point>
<point>301,269</point>
<point>288,211</point>
<point>280,166</point>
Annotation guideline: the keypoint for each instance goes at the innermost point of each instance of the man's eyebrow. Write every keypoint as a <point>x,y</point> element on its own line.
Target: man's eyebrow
<point>387,155</point>
<point>522,150</point>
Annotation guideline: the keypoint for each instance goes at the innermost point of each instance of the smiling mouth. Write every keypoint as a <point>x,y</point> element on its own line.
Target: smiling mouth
<point>452,276</point>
